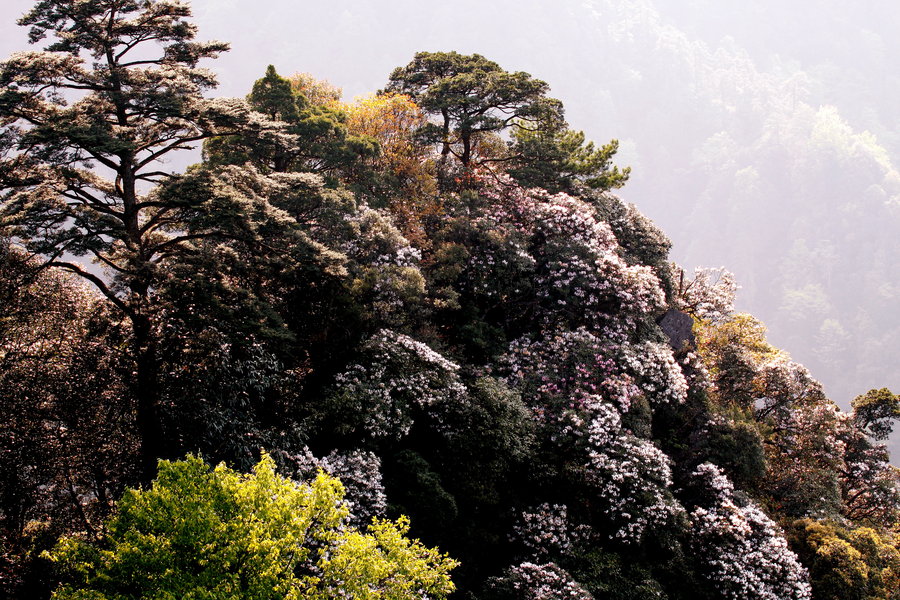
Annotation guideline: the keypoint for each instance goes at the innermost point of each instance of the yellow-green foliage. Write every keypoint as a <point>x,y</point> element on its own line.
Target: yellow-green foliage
<point>847,564</point>
<point>201,534</point>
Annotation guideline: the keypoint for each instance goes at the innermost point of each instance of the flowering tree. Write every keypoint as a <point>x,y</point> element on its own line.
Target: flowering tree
<point>743,553</point>
<point>569,364</point>
<point>708,296</point>
<point>531,581</point>
<point>66,424</point>
<point>360,474</point>
<point>632,477</point>
<point>579,276</point>
<point>396,379</point>
<point>869,483</point>
<point>546,531</point>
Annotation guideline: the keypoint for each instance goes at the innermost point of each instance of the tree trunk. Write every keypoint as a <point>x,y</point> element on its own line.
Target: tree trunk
<point>467,148</point>
<point>147,393</point>
<point>445,133</point>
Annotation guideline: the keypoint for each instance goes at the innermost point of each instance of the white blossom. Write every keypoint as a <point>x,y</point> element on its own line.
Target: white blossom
<point>631,475</point>
<point>398,376</point>
<point>546,531</point>
<point>530,581</point>
<point>743,552</point>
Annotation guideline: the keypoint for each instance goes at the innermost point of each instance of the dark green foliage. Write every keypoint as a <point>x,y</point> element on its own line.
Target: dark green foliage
<point>491,437</point>
<point>416,490</point>
<point>472,96</point>
<point>609,575</point>
<point>876,411</point>
<point>736,446</point>
<point>642,241</point>
<point>299,135</point>
<point>479,307</point>
<point>558,160</point>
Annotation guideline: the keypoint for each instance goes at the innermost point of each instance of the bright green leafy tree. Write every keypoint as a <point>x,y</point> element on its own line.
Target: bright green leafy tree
<point>217,534</point>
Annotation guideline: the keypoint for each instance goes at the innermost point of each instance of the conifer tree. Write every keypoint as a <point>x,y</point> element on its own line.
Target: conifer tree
<point>85,128</point>
<point>473,96</point>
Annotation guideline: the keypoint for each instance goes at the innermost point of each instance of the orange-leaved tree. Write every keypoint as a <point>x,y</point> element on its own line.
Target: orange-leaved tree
<point>402,177</point>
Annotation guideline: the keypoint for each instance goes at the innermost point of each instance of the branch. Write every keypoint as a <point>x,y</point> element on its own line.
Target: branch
<point>169,148</point>
<point>98,283</point>
<point>83,198</point>
<point>151,176</point>
<point>109,263</point>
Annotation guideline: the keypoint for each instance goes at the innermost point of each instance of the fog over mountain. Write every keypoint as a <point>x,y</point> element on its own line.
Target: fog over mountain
<point>763,137</point>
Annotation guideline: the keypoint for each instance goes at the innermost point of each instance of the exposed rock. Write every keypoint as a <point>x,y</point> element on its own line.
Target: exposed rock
<point>678,327</point>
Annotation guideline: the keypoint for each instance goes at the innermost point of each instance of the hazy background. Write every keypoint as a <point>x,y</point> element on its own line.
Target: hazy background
<point>764,136</point>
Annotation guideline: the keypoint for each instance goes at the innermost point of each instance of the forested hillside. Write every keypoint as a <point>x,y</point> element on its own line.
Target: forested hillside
<point>431,350</point>
<point>763,137</point>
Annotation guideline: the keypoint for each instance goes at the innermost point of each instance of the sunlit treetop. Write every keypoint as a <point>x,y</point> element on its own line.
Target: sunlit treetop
<point>202,533</point>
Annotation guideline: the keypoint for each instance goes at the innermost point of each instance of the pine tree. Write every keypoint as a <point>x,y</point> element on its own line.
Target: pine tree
<point>85,127</point>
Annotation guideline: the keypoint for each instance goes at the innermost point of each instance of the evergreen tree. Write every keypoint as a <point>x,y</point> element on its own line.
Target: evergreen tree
<point>472,96</point>
<point>301,135</point>
<point>86,126</point>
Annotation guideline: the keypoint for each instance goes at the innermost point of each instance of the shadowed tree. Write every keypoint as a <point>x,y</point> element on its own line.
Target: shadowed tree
<point>85,127</point>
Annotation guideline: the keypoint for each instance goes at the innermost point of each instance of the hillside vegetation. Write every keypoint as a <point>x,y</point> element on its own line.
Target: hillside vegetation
<point>431,351</point>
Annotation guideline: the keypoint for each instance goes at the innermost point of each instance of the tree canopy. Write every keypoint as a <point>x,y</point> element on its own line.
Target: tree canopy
<point>472,96</point>
<point>201,533</point>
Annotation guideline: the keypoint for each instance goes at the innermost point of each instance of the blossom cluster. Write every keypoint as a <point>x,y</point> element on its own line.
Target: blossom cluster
<point>531,581</point>
<point>385,267</point>
<point>498,265</point>
<point>579,275</point>
<point>396,376</point>
<point>657,372</point>
<point>695,372</point>
<point>708,296</point>
<point>359,472</point>
<point>545,531</point>
<point>631,475</point>
<point>567,363</point>
<point>743,552</point>
<point>782,385</point>
<point>576,363</point>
